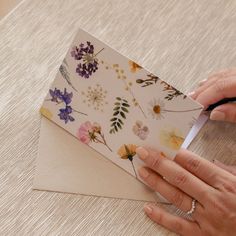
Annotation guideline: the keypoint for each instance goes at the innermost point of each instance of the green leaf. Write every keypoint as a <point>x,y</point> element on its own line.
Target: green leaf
<point>113,124</point>
<point>113,119</point>
<point>124,109</point>
<point>116,109</point>
<point>116,113</point>
<point>119,125</point>
<point>125,105</point>
<point>123,114</point>
<point>120,121</point>
<point>118,98</point>
<point>117,103</point>
<point>116,128</point>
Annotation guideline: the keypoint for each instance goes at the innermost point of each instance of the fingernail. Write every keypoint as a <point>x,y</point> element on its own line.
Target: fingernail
<point>217,115</point>
<point>143,172</point>
<point>202,82</point>
<point>142,153</point>
<point>148,208</point>
<point>191,94</point>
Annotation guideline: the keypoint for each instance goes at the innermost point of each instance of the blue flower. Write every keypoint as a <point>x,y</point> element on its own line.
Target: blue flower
<point>65,114</point>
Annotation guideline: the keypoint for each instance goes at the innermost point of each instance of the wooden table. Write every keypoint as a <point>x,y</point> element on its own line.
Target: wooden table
<point>182,41</point>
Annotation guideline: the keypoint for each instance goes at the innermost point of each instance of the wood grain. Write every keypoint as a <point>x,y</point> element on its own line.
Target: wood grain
<point>181,41</point>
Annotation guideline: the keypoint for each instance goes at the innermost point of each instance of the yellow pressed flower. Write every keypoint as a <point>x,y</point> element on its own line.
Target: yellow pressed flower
<point>45,112</point>
<point>134,66</point>
<point>127,151</point>
<point>171,139</point>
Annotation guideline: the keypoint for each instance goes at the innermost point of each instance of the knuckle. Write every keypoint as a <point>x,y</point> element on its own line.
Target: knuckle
<point>233,116</point>
<point>177,227</point>
<point>180,179</point>
<point>155,163</point>
<point>159,218</point>
<point>193,165</point>
<point>177,199</point>
<point>220,85</point>
<point>203,194</point>
<point>229,186</point>
<point>219,205</point>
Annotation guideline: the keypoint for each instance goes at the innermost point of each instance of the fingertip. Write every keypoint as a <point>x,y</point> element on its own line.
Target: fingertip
<point>202,82</point>
<point>192,94</point>
<point>217,115</point>
<point>148,208</point>
<point>142,153</point>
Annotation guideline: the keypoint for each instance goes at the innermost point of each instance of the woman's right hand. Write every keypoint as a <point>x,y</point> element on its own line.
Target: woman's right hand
<point>218,86</point>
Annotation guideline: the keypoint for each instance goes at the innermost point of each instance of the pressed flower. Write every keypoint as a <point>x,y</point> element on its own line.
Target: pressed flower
<point>88,61</point>
<point>171,139</point>
<point>140,130</point>
<point>156,109</point>
<point>65,114</point>
<point>46,112</point>
<point>64,98</point>
<point>89,132</point>
<point>96,127</point>
<point>84,132</point>
<point>95,97</point>
<point>150,80</point>
<point>128,151</point>
<point>134,66</point>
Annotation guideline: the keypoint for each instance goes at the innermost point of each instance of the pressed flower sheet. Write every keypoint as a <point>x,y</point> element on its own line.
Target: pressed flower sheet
<point>114,105</point>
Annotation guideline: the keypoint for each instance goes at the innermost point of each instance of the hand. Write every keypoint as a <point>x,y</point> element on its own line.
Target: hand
<point>216,87</point>
<point>230,169</point>
<point>191,177</point>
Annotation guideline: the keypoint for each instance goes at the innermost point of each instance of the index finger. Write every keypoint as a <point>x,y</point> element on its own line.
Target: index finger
<point>224,88</point>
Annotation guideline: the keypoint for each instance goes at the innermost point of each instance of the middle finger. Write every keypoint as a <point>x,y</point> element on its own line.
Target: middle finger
<point>175,174</point>
<point>174,195</point>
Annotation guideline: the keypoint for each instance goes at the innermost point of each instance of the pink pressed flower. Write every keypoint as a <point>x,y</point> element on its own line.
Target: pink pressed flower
<point>140,130</point>
<point>84,132</point>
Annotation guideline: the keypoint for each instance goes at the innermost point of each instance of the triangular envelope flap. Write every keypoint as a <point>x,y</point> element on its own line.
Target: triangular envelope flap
<point>114,105</point>
<point>66,165</point>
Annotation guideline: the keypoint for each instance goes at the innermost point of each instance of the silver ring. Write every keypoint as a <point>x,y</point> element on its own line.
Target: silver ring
<point>190,212</point>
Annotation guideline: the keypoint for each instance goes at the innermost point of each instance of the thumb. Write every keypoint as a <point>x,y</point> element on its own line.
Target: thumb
<point>226,112</point>
<point>231,169</point>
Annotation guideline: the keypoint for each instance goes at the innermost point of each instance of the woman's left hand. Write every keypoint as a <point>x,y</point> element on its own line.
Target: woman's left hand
<point>186,178</point>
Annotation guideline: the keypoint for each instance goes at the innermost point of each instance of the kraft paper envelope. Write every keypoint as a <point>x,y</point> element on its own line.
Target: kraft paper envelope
<point>66,165</point>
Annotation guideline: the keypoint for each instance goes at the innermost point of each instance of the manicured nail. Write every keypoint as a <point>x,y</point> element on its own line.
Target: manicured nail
<point>142,153</point>
<point>217,115</point>
<point>191,94</point>
<point>143,172</point>
<point>148,208</point>
<point>202,82</point>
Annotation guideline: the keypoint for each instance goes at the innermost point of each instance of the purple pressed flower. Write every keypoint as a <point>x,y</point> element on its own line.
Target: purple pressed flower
<point>89,63</point>
<point>56,95</point>
<point>66,97</point>
<point>65,114</point>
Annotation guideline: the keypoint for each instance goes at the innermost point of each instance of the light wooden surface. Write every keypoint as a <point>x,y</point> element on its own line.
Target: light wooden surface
<point>182,41</point>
